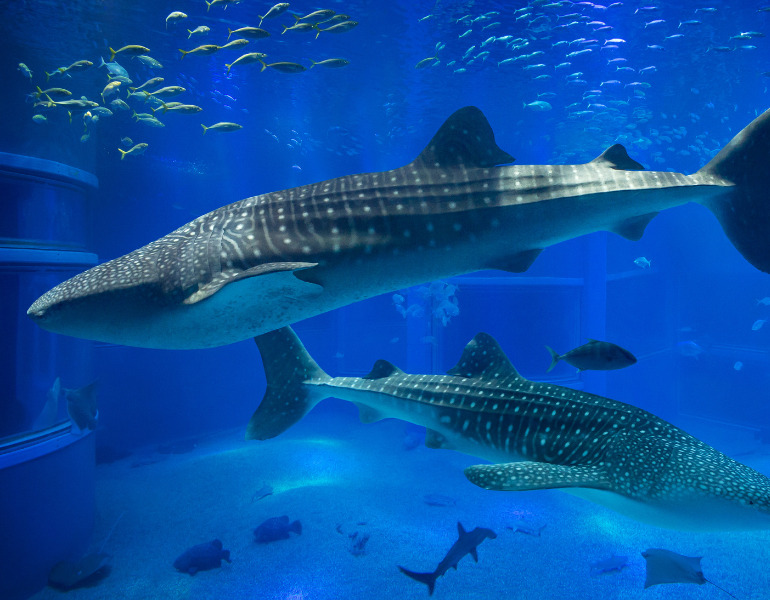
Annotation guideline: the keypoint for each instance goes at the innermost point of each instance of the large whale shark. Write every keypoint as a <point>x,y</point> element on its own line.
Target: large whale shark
<point>541,435</point>
<point>271,260</point>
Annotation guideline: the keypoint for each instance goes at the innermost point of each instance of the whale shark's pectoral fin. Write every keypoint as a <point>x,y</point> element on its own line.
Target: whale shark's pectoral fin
<point>226,278</point>
<point>516,263</point>
<point>367,414</point>
<point>523,476</point>
<point>633,229</point>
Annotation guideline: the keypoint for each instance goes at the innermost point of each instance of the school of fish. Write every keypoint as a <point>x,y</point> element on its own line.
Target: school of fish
<point>150,101</point>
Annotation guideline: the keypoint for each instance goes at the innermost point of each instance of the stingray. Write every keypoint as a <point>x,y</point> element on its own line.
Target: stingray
<point>81,407</point>
<point>89,570</point>
<point>665,566</point>
<point>67,575</point>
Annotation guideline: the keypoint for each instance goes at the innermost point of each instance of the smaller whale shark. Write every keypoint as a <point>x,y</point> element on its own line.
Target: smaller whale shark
<point>466,543</point>
<point>539,435</point>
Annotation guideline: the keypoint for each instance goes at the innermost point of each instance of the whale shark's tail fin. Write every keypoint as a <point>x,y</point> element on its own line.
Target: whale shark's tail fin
<point>290,372</point>
<point>745,213</point>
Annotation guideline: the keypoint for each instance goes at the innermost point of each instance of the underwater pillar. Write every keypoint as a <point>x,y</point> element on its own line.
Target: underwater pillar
<point>46,471</point>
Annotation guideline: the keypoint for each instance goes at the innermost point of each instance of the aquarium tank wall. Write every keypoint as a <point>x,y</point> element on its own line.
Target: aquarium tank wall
<point>501,237</point>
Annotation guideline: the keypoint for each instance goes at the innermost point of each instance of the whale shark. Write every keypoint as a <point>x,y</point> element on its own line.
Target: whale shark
<point>536,435</point>
<point>274,259</point>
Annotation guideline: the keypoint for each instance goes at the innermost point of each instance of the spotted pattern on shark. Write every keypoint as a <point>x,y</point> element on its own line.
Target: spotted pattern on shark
<point>540,435</point>
<point>271,260</point>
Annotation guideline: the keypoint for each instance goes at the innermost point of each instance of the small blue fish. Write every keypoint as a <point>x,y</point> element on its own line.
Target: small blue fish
<point>114,69</point>
<point>642,262</point>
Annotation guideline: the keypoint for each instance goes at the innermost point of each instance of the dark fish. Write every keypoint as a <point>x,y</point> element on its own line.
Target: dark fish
<point>466,543</point>
<point>594,356</point>
<point>277,528</point>
<point>202,558</point>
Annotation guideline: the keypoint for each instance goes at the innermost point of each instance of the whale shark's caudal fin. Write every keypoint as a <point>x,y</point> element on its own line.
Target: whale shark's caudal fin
<point>745,214</point>
<point>288,370</point>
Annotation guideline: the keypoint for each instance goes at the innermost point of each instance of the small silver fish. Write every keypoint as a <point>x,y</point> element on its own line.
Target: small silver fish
<point>274,11</point>
<point>199,30</point>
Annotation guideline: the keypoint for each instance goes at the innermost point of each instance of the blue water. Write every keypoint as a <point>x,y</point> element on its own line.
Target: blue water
<point>682,90</point>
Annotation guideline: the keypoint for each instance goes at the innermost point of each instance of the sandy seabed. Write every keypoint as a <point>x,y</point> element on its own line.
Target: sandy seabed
<point>339,477</point>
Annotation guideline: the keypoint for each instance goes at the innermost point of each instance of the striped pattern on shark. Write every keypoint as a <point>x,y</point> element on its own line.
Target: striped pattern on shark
<point>274,259</point>
<point>541,435</point>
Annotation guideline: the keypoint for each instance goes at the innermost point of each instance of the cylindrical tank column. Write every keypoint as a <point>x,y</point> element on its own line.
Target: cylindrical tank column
<point>46,471</point>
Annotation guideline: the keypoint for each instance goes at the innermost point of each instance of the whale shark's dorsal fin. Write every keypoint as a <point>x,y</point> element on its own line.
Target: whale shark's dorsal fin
<point>616,157</point>
<point>383,368</point>
<point>484,359</point>
<point>464,140</point>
